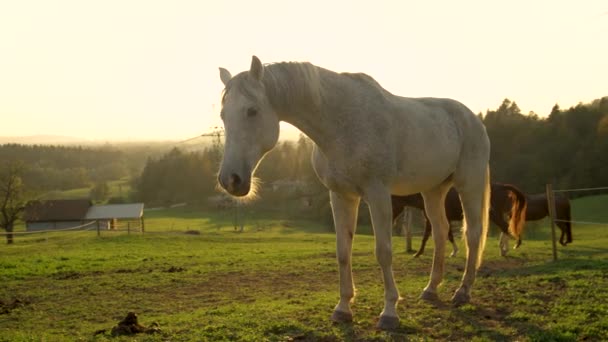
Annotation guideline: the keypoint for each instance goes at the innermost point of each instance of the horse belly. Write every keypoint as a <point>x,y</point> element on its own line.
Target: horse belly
<point>415,182</point>
<point>425,170</point>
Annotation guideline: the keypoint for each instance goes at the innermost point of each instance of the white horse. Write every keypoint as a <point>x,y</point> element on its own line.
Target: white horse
<point>369,144</point>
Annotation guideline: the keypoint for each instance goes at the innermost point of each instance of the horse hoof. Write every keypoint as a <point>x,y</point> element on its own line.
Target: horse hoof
<point>429,296</point>
<point>460,298</point>
<point>341,317</point>
<point>388,323</point>
<point>417,254</point>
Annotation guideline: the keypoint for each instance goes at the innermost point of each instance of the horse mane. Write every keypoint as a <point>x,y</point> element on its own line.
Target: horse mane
<point>293,85</point>
<point>302,85</point>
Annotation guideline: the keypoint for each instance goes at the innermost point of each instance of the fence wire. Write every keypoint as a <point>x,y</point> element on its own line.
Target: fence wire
<point>79,227</point>
<point>582,189</point>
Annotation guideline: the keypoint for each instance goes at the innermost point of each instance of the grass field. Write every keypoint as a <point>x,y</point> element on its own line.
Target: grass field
<point>277,281</point>
<point>118,188</point>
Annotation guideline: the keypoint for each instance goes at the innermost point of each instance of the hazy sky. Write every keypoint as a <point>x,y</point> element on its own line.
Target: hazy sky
<point>140,69</point>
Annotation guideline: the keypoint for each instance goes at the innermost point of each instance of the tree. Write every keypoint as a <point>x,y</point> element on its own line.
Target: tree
<point>12,197</point>
<point>100,192</point>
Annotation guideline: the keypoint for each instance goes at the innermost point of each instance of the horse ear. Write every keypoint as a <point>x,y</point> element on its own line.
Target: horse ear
<point>225,76</point>
<point>257,69</point>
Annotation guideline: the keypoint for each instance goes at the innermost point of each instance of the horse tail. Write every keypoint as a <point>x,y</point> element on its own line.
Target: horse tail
<point>518,211</point>
<point>485,216</point>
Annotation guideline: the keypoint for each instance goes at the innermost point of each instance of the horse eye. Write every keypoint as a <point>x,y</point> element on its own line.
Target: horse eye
<point>252,111</point>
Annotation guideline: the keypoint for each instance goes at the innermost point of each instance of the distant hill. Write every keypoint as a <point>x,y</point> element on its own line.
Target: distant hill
<point>47,139</point>
<point>44,140</point>
<point>288,132</point>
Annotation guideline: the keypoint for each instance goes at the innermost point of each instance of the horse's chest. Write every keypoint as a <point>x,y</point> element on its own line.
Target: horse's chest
<point>344,175</point>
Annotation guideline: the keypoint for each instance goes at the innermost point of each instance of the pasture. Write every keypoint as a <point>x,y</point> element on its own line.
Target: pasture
<point>278,281</point>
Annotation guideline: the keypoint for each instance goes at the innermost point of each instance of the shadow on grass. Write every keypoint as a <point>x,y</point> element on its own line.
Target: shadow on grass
<point>352,332</point>
<point>519,324</point>
<point>549,267</point>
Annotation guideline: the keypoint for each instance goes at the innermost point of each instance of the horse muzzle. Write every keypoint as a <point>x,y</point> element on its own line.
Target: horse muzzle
<point>235,184</point>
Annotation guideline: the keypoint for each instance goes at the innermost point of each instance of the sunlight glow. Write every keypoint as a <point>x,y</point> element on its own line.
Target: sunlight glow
<point>149,69</point>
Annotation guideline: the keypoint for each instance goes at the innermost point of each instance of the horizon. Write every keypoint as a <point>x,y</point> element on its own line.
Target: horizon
<point>142,71</point>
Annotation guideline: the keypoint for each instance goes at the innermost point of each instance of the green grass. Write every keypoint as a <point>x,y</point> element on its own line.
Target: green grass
<point>277,281</point>
<point>591,209</point>
<point>118,188</point>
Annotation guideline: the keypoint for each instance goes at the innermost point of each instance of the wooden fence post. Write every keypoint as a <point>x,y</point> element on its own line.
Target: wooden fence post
<point>98,232</point>
<point>551,207</point>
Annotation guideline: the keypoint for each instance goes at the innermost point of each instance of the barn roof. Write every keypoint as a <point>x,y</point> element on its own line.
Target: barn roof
<point>116,211</point>
<point>56,210</point>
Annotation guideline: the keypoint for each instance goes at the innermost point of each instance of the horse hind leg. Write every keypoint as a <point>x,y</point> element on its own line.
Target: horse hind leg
<point>451,238</point>
<point>562,238</point>
<point>435,209</point>
<point>565,225</point>
<point>425,237</point>
<point>503,244</point>
<point>344,210</point>
<point>475,198</point>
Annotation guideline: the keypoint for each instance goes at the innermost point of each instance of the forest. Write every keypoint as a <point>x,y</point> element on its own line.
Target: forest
<point>55,168</point>
<point>567,147</point>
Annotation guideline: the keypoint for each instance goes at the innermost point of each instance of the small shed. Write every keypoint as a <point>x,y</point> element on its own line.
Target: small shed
<point>109,215</point>
<point>55,214</point>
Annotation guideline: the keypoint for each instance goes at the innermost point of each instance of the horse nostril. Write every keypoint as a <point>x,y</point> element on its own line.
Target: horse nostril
<point>235,180</point>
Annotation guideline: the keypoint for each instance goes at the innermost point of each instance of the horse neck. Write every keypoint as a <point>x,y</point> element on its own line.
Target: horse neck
<point>298,93</point>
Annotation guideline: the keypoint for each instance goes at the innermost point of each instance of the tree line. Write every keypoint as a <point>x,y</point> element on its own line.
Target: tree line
<point>49,167</point>
<point>568,148</point>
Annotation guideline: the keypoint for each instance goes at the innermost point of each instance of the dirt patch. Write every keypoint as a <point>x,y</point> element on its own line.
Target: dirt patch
<point>7,306</point>
<point>67,275</point>
<point>174,269</point>
<point>491,267</point>
<point>130,326</point>
<point>242,286</point>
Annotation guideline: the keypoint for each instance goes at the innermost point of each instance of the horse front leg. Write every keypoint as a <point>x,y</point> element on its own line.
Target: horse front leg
<point>344,209</point>
<point>378,199</point>
<point>475,204</point>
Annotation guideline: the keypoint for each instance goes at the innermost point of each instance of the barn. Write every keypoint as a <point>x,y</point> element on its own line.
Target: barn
<point>65,214</point>
<point>55,214</point>
<point>108,216</point>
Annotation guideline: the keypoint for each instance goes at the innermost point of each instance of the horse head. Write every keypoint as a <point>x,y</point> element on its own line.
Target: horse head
<point>251,127</point>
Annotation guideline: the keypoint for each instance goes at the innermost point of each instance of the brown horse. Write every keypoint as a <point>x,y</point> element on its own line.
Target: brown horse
<point>505,199</point>
<point>539,209</point>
